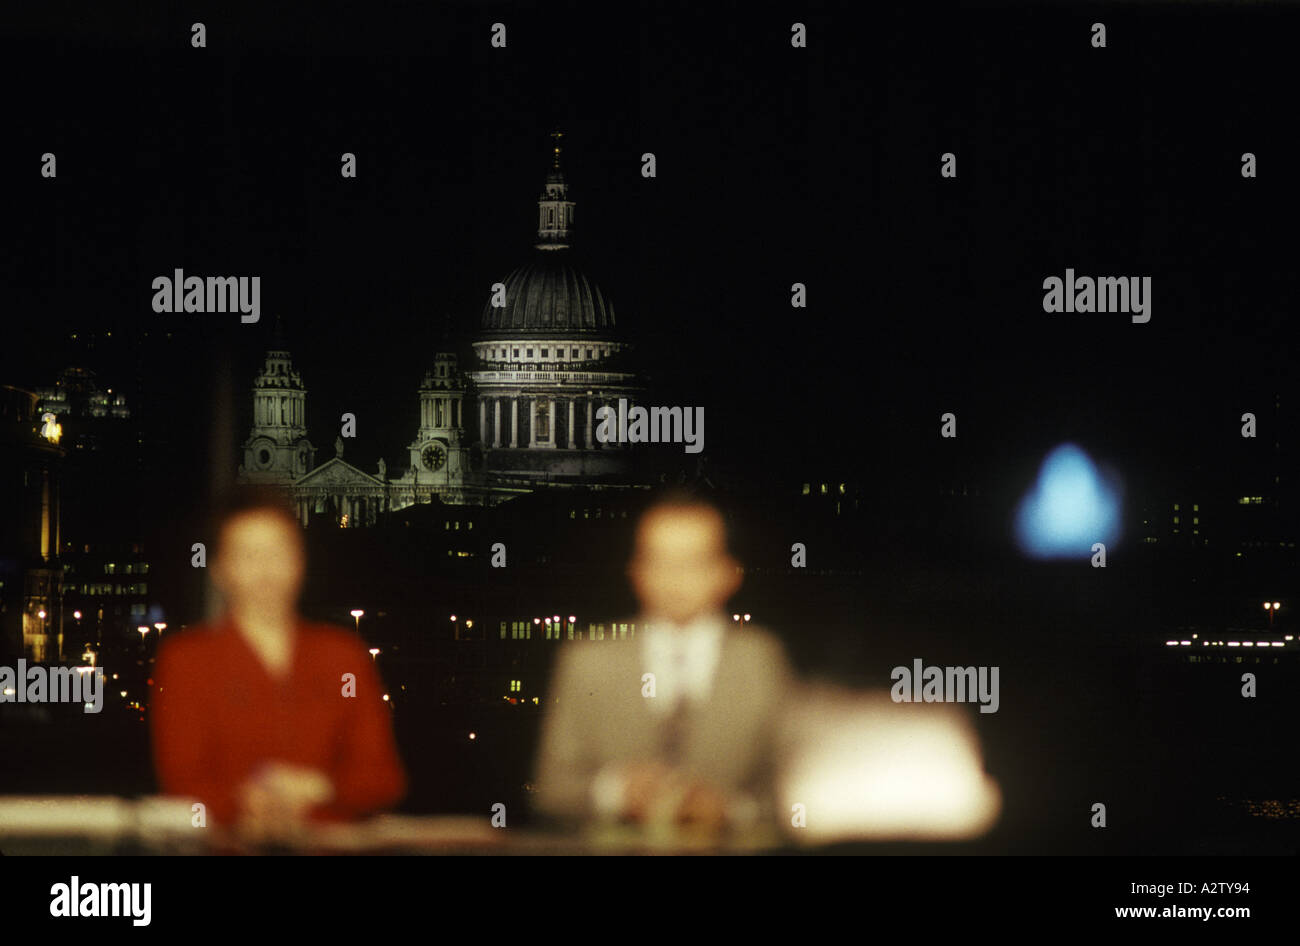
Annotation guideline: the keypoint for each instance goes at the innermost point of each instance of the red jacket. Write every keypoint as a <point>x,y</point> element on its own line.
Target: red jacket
<point>218,715</point>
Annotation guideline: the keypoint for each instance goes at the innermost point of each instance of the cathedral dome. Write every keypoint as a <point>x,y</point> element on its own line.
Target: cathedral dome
<point>550,297</point>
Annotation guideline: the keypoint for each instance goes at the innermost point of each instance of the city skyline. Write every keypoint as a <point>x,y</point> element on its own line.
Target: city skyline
<point>896,269</point>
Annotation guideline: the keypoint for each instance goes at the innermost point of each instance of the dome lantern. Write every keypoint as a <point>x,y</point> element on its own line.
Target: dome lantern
<point>554,209</point>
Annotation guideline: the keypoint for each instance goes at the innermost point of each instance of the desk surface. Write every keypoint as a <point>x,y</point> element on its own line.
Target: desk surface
<point>108,825</point>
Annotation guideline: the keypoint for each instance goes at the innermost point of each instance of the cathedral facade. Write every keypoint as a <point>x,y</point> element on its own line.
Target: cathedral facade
<point>546,357</point>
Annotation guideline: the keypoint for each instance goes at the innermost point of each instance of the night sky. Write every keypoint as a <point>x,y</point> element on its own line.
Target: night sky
<point>775,165</point>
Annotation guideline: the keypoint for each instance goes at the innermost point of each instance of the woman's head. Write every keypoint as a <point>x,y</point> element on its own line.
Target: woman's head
<point>259,558</point>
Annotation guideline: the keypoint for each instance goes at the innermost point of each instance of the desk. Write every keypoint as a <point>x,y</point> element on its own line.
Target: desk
<point>97,825</point>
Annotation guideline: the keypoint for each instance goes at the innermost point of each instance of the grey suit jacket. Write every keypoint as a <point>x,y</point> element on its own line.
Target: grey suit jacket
<point>596,715</point>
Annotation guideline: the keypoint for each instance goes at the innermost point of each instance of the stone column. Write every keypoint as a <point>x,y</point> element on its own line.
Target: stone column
<point>514,422</point>
<point>496,422</point>
<point>482,420</point>
<point>572,410</point>
<point>532,422</point>
<point>551,425</point>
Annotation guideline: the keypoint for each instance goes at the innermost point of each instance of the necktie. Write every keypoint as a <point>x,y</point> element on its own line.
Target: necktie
<point>673,727</point>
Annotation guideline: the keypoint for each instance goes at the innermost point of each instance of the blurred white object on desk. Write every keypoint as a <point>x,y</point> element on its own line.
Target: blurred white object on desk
<point>865,768</point>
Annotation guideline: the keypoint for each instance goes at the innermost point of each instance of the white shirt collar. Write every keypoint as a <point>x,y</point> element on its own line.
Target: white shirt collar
<point>683,658</point>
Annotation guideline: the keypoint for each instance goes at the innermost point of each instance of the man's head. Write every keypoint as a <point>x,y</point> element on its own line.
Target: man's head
<point>680,567</point>
<point>259,558</point>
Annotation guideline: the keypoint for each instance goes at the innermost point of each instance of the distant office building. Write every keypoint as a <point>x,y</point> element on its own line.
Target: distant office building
<point>31,573</point>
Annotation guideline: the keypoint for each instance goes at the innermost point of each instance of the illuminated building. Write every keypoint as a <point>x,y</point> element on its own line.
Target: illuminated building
<point>548,356</point>
<point>31,572</point>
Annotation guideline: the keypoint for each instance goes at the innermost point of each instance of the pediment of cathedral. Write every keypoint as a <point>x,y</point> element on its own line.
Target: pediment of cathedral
<point>337,472</point>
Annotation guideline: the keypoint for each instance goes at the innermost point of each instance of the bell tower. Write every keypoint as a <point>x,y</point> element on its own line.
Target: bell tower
<point>438,456</point>
<point>277,449</point>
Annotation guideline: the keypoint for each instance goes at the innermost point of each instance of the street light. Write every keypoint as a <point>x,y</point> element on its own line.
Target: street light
<point>143,629</point>
<point>374,652</point>
<point>1271,608</point>
<point>356,618</point>
<point>160,625</point>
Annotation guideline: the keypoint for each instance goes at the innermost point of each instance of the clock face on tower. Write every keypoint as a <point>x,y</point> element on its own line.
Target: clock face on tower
<point>433,456</point>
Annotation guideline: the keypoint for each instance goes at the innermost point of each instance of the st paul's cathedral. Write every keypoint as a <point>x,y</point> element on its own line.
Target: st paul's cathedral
<point>547,355</point>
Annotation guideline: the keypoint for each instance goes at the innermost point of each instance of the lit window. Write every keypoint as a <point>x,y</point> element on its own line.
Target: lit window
<point>807,487</point>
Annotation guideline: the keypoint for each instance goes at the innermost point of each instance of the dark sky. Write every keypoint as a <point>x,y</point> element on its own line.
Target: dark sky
<point>775,165</point>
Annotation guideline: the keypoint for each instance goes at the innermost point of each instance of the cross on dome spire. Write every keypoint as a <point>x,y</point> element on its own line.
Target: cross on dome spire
<point>557,135</point>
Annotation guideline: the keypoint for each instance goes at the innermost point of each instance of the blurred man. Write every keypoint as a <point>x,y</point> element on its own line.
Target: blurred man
<point>267,719</point>
<point>675,727</point>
